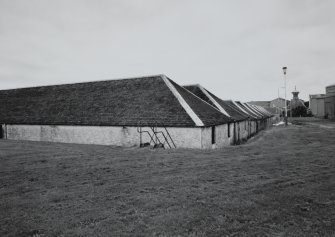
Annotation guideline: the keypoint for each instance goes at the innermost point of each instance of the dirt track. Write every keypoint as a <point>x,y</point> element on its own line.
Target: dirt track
<point>281,183</point>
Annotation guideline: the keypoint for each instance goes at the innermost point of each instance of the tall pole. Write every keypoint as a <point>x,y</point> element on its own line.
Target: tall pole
<point>278,106</point>
<point>284,70</point>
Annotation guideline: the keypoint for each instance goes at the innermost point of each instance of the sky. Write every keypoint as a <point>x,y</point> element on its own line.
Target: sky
<point>235,49</point>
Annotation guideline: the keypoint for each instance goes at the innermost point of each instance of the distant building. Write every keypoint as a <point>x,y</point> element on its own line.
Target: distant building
<point>330,90</point>
<point>323,105</point>
<point>275,106</point>
<point>317,105</point>
<point>264,104</point>
<point>330,102</point>
<point>278,105</point>
<point>296,102</point>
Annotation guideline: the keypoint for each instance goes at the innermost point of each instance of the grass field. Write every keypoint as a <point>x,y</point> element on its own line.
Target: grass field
<point>281,183</point>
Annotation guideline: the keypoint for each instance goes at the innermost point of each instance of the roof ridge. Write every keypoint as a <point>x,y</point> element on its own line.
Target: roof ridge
<point>236,104</point>
<point>87,82</point>
<point>253,109</point>
<point>249,109</point>
<point>182,102</point>
<point>198,85</point>
<point>231,105</point>
<point>222,110</point>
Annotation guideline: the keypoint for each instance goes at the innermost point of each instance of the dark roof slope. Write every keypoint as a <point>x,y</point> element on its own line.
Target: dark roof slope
<point>265,111</point>
<point>236,109</point>
<point>254,110</point>
<point>208,114</point>
<point>260,103</point>
<point>260,110</point>
<point>234,113</point>
<point>198,92</point>
<point>247,109</point>
<point>123,102</point>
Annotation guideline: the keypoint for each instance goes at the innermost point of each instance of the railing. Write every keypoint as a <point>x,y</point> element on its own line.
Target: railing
<point>154,135</point>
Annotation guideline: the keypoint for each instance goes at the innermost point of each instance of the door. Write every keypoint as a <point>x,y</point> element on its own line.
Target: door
<point>1,132</point>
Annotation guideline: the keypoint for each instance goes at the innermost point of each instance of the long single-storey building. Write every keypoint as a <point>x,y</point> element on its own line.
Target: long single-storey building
<point>126,112</point>
<point>245,123</point>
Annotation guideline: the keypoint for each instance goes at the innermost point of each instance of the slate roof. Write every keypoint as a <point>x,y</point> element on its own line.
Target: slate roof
<point>258,110</point>
<point>247,109</point>
<point>265,111</point>
<point>237,109</point>
<point>122,102</point>
<point>207,113</point>
<point>260,103</point>
<point>262,111</point>
<point>234,112</point>
<point>254,110</point>
<point>198,92</point>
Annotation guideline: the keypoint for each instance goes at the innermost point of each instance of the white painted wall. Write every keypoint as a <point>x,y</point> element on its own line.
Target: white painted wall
<point>231,138</point>
<point>221,135</point>
<point>101,135</point>
<point>253,127</point>
<point>243,130</point>
<point>197,137</point>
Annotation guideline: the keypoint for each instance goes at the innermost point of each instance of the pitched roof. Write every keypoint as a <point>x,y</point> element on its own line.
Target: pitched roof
<point>207,113</point>
<point>237,109</point>
<point>265,111</point>
<point>195,89</point>
<point>260,103</point>
<point>224,106</point>
<point>124,102</point>
<point>248,110</point>
<point>260,110</point>
<point>254,110</point>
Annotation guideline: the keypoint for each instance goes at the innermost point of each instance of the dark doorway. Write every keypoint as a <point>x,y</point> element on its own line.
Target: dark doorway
<point>235,133</point>
<point>1,132</point>
<point>228,129</point>
<point>213,135</point>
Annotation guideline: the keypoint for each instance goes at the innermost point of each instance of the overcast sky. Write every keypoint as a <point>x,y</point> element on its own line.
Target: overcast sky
<point>234,48</point>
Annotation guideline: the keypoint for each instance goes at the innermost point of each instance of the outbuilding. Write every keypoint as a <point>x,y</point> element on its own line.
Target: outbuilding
<point>323,105</point>
<point>330,102</point>
<point>126,112</point>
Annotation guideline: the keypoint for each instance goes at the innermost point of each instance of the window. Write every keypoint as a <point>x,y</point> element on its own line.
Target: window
<point>228,129</point>
<point>213,135</point>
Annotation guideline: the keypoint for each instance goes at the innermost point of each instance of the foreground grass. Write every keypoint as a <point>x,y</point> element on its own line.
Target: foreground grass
<point>280,183</point>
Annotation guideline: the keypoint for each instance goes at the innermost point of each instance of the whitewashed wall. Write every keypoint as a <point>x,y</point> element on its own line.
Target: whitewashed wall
<point>221,137</point>
<point>243,130</point>
<point>232,134</point>
<point>197,137</point>
<point>101,135</point>
<point>253,127</point>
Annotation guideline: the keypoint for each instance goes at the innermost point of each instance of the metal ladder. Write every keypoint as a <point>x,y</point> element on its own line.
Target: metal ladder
<point>154,135</point>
